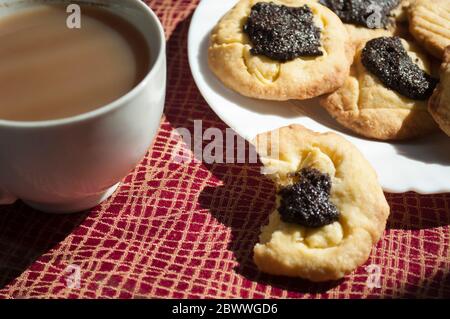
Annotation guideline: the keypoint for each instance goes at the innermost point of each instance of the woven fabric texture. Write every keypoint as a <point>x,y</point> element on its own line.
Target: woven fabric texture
<point>186,230</point>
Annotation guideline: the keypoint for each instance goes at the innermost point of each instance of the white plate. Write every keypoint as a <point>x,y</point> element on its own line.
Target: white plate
<point>419,165</point>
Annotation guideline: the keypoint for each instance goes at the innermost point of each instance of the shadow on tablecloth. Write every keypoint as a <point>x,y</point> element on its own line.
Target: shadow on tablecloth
<point>26,234</point>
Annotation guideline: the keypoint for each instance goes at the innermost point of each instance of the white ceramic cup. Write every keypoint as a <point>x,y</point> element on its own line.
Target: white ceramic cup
<point>75,163</point>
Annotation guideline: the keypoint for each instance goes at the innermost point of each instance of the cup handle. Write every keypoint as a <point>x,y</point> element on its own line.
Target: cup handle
<point>6,198</point>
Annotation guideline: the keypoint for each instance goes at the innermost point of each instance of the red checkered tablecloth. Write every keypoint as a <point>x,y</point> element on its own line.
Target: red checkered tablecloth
<point>187,230</point>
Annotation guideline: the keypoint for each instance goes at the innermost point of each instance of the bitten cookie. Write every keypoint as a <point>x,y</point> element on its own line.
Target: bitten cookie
<point>280,50</point>
<point>368,19</point>
<point>439,105</point>
<point>429,23</point>
<point>330,208</point>
<point>386,95</point>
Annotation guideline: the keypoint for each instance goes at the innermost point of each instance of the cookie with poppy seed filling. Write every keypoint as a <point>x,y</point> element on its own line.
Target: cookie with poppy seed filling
<point>330,208</point>
<point>369,19</point>
<point>280,49</point>
<point>385,97</point>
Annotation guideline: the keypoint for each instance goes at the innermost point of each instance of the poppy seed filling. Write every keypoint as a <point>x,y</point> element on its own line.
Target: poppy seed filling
<point>282,33</point>
<point>388,60</point>
<point>307,202</point>
<point>373,14</point>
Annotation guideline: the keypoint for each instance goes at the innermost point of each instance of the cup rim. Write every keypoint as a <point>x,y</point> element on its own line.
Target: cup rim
<point>107,107</point>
